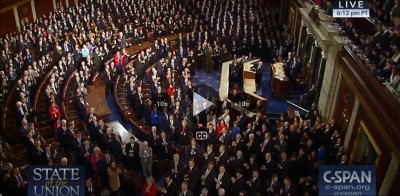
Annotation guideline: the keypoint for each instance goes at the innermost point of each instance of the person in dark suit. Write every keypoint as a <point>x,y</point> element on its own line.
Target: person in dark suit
<point>259,69</point>
<point>243,121</point>
<point>209,154</point>
<point>192,151</point>
<point>211,135</point>
<point>288,189</point>
<point>93,128</point>
<point>259,107</point>
<point>223,157</point>
<point>175,168</point>
<point>85,150</point>
<point>163,145</point>
<point>238,182</point>
<point>50,155</point>
<point>268,167</point>
<point>107,138</point>
<point>273,186</point>
<point>191,175</point>
<point>225,138</point>
<point>266,146</point>
<point>17,183</point>
<point>104,163</point>
<point>152,138</point>
<point>294,69</point>
<point>82,104</point>
<point>169,188</point>
<point>29,144</point>
<point>39,154</point>
<point>91,189</point>
<point>132,154</point>
<point>116,148</point>
<point>207,177</point>
<point>254,184</point>
<point>284,166</point>
<point>223,179</point>
<point>185,190</point>
<point>91,115</point>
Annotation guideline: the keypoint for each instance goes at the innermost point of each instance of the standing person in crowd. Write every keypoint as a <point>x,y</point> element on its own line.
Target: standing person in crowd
<point>114,172</point>
<point>149,188</point>
<point>146,159</point>
<point>55,114</point>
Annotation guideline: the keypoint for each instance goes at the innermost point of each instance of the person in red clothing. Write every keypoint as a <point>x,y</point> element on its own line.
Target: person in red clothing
<point>95,158</point>
<point>149,189</point>
<point>55,114</point>
<point>220,126</point>
<point>118,62</point>
<point>170,90</point>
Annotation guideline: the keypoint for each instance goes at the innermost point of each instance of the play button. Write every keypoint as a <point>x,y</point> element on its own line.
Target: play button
<point>200,104</point>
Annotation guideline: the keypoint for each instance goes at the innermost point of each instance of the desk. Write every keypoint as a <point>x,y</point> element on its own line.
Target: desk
<point>249,77</point>
<point>279,81</point>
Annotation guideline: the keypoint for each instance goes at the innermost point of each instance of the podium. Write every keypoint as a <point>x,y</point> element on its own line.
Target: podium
<point>279,81</point>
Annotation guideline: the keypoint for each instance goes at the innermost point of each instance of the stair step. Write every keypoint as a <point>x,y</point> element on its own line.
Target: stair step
<point>47,130</point>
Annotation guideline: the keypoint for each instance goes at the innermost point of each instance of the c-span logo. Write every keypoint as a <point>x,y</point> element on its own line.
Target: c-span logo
<point>347,180</point>
<point>54,180</point>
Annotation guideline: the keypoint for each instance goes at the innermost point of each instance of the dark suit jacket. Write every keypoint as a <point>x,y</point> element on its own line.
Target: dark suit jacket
<point>172,189</point>
<point>272,189</point>
<point>180,167</point>
<point>291,191</point>
<point>255,186</point>
<point>226,181</point>
<point>223,159</point>
<point>135,149</point>
<point>30,147</point>
<point>238,186</point>
<point>13,186</point>
<point>94,192</point>
<point>212,137</point>
<point>188,193</point>
<point>193,178</point>
<point>161,150</point>
<point>226,140</point>
<point>209,182</point>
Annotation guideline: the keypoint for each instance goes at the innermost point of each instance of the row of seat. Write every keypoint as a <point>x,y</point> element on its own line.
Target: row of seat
<point>16,151</point>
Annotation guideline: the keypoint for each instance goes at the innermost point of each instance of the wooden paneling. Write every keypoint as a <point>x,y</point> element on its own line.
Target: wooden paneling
<point>7,22</point>
<point>6,3</point>
<point>43,7</point>
<point>25,12</point>
<point>378,110</point>
<point>344,106</point>
<point>378,103</point>
<point>385,157</point>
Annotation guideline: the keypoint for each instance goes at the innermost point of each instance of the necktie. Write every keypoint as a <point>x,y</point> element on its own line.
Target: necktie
<point>21,180</point>
<point>207,172</point>
<point>219,179</point>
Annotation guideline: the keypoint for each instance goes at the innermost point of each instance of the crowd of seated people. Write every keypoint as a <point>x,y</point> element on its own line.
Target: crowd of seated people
<point>379,52</point>
<point>241,155</point>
